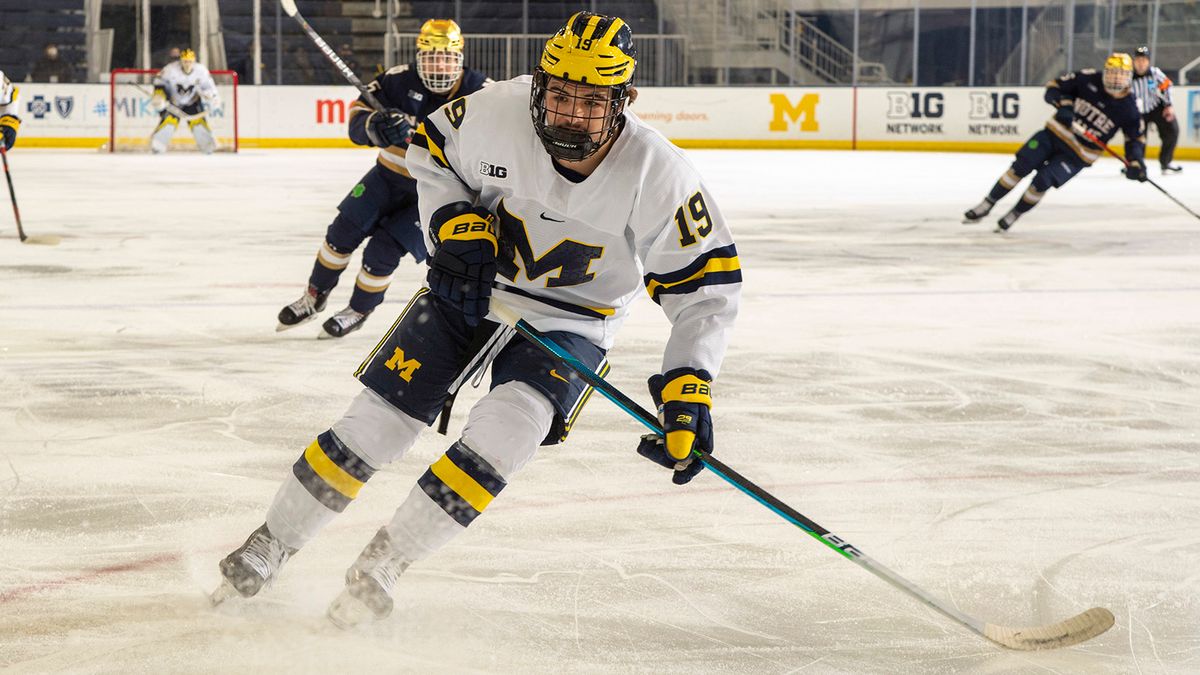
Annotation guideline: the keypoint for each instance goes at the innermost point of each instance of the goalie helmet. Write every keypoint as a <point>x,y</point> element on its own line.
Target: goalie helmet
<point>1118,73</point>
<point>439,55</point>
<point>187,60</point>
<point>581,85</point>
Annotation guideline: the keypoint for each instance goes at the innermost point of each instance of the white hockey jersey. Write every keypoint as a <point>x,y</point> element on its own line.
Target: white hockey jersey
<point>184,89</point>
<point>9,95</point>
<point>574,255</point>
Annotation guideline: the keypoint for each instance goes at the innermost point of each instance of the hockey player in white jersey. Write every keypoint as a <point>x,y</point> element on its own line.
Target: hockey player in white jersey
<point>568,219</point>
<point>10,122</point>
<point>184,90</point>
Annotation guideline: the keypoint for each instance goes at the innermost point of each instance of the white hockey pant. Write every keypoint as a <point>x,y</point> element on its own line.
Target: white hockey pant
<point>503,431</point>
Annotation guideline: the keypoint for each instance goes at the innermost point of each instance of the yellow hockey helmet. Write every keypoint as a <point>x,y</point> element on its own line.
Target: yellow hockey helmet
<point>439,54</point>
<point>590,57</point>
<point>187,59</point>
<point>1118,73</point>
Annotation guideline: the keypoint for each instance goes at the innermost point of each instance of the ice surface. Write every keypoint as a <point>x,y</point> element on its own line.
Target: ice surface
<point>1011,422</point>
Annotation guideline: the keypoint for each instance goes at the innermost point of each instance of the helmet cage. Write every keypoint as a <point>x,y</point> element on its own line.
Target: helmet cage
<point>439,69</point>
<point>567,143</point>
<point>1116,80</point>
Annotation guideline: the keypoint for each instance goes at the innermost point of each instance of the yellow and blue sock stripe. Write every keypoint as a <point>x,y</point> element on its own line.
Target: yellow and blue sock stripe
<point>462,483</point>
<point>331,473</point>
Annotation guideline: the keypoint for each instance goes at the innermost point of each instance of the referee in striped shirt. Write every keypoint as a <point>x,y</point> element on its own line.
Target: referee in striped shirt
<point>1153,91</point>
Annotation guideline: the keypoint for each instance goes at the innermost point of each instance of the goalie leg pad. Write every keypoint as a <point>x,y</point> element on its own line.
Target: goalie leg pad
<point>160,140</point>
<point>203,135</point>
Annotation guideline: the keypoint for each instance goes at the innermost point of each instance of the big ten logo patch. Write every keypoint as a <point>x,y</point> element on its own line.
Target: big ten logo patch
<point>403,367</point>
<point>493,170</point>
<point>915,105</point>
<point>994,105</point>
<point>784,113</point>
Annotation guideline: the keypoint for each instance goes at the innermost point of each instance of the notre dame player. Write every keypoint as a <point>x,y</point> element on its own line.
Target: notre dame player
<point>1087,102</point>
<point>383,205</point>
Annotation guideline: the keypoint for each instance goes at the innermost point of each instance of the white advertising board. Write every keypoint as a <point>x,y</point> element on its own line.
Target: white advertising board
<point>995,119</point>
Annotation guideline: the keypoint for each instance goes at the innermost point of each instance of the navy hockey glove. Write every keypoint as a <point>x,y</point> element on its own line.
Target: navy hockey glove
<point>1136,170</point>
<point>463,267</point>
<point>1065,115</point>
<point>389,127</point>
<point>8,129</point>
<point>683,397</point>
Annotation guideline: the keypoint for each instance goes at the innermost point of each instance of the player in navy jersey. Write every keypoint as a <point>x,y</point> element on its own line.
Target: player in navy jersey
<point>1087,102</point>
<point>383,205</point>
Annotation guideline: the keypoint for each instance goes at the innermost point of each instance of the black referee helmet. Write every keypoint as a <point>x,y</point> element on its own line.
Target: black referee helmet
<point>1142,51</point>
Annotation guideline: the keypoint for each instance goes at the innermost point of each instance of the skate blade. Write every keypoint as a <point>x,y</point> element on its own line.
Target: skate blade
<point>969,221</point>
<point>224,592</point>
<point>326,335</point>
<point>347,611</point>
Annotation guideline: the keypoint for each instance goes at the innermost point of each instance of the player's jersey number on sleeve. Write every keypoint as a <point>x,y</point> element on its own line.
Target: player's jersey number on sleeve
<point>698,211</point>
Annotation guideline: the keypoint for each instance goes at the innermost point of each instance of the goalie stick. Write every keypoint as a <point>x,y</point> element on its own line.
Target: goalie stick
<point>1101,144</point>
<point>289,8</point>
<point>1072,631</point>
<point>47,239</point>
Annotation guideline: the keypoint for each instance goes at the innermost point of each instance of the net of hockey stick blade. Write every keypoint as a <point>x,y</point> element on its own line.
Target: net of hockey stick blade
<point>1072,631</point>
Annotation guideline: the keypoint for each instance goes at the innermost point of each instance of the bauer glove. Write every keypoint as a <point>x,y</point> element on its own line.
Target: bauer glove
<point>683,397</point>
<point>1065,115</point>
<point>463,266</point>
<point>389,127</point>
<point>1136,170</point>
<point>8,131</point>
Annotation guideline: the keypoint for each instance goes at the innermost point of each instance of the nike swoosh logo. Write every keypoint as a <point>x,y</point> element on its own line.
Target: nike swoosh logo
<point>553,220</point>
<point>554,373</point>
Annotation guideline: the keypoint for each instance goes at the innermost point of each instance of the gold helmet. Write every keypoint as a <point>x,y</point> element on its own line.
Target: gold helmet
<point>592,54</point>
<point>187,60</point>
<point>439,55</point>
<point>1118,73</point>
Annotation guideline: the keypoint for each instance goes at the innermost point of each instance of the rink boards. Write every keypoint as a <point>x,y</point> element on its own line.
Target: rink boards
<point>970,119</point>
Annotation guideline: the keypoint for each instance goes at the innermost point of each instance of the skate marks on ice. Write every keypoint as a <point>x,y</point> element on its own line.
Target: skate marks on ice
<point>1009,422</point>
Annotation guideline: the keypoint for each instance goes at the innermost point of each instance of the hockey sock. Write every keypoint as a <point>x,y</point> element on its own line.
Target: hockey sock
<point>328,267</point>
<point>1003,186</point>
<point>1029,200</point>
<point>369,290</point>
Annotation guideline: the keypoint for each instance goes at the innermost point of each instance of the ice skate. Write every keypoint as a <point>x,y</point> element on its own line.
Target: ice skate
<point>977,212</point>
<point>303,310</point>
<point>342,323</point>
<point>368,593</point>
<point>1169,169</point>
<point>1007,221</point>
<point>252,566</point>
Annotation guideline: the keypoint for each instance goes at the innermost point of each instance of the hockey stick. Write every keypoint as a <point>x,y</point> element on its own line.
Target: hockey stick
<point>289,8</point>
<point>46,239</point>
<point>1099,143</point>
<point>1072,631</point>
<point>172,108</point>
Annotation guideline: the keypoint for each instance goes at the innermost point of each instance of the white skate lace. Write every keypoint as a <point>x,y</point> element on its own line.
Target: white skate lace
<point>347,317</point>
<point>263,555</point>
<point>388,571</point>
<point>305,304</point>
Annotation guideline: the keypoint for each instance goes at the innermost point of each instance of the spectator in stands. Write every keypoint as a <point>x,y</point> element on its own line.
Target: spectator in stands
<point>172,55</point>
<point>50,68</point>
<point>306,73</point>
